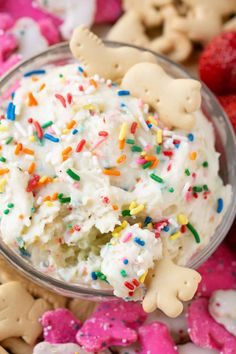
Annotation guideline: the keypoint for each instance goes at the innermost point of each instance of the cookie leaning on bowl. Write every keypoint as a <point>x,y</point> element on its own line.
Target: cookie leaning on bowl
<point>150,83</point>
<point>143,78</point>
<point>109,63</point>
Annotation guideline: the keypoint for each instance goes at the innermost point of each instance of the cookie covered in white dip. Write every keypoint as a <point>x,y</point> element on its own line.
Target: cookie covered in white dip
<point>92,181</point>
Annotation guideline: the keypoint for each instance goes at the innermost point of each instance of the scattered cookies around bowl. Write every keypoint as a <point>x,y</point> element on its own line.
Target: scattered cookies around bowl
<point>175,25</point>
<point>155,87</point>
<point>109,63</point>
<point>205,19</point>
<point>8,274</point>
<point>20,313</point>
<point>176,45</point>
<point>147,10</point>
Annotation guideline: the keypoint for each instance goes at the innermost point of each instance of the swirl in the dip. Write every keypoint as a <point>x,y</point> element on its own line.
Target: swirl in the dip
<point>91,181</point>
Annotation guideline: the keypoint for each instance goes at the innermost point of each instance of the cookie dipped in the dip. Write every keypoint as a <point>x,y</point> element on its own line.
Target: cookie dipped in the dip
<point>96,185</point>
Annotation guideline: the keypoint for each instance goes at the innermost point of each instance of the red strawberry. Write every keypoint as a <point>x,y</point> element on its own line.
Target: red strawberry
<point>217,67</point>
<point>229,104</point>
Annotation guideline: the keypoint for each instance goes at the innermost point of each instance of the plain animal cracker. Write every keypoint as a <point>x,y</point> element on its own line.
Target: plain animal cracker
<point>147,10</point>
<point>7,274</point>
<point>204,19</point>
<point>174,99</point>
<point>20,313</point>
<point>168,285</point>
<point>176,45</point>
<point>17,346</point>
<point>109,63</point>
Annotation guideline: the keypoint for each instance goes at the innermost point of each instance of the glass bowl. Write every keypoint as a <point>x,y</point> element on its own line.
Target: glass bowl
<point>225,144</point>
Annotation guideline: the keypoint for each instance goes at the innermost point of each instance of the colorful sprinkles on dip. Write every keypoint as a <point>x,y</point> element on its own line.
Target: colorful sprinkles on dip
<point>92,182</point>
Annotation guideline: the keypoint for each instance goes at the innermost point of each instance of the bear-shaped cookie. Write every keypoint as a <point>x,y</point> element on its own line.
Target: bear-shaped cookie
<point>20,313</point>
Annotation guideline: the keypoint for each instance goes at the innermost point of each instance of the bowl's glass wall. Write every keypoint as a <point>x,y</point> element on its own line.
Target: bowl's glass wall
<point>226,145</point>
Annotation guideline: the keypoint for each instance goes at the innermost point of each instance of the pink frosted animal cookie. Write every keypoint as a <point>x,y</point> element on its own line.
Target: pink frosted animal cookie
<point>112,324</point>
<point>131,313</point>
<point>49,31</point>
<point>177,326</point>
<point>8,43</point>
<point>9,63</point>
<point>60,326</point>
<point>76,12</point>
<point>218,272</point>
<point>207,333</point>
<point>107,11</point>
<point>6,21</point>
<point>155,338</point>
<point>100,333</point>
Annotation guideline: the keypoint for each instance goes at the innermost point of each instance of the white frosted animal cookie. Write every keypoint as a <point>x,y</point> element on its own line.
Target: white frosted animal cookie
<point>109,63</point>
<point>174,99</point>
<point>168,285</point>
<point>222,307</point>
<point>191,348</point>
<point>29,38</point>
<point>68,348</point>
<point>72,12</point>
<point>204,19</point>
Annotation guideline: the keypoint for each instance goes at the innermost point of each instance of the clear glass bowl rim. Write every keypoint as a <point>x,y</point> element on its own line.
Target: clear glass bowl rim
<point>74,290</point>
